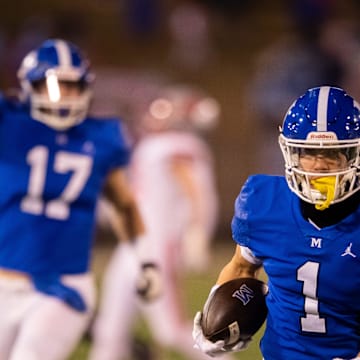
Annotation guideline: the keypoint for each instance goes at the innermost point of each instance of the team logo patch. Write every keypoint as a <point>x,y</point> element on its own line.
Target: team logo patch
<point>244,294</point>
<point>348,251</point>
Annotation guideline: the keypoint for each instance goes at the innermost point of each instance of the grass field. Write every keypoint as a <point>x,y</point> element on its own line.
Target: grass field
<point>196,290</point>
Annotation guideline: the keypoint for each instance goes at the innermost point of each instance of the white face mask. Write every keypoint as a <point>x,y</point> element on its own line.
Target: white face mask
<point>58,104</point>
<point>322,173</point>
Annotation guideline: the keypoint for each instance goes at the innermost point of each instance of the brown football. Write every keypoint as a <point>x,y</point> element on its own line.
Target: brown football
<point>235,311</point>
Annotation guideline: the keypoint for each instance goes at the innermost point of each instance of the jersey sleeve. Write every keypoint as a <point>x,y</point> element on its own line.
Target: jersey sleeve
<point>260,210</point>
<point>239,223</point>
<point>121,149</point>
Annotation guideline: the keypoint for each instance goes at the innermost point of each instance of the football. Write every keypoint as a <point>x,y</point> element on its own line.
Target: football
<point>235,311</point>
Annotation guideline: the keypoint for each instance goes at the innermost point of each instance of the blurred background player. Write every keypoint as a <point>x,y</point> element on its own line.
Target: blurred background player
<point>173,164</point>
<point>173,177</point>
<point>54,160</point>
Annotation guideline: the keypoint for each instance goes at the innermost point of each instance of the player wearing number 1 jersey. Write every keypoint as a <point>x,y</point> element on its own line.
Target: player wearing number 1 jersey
<point>54,162</point>
<point>304,230</point>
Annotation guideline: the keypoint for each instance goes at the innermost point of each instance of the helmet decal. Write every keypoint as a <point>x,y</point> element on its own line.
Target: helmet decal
<point>322,108</point>
<point>63,53</point>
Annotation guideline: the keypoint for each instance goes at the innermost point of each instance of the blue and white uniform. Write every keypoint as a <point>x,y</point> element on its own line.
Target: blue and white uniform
<point>314,274</point>
<point>54,162</point>
<point>50,182</point>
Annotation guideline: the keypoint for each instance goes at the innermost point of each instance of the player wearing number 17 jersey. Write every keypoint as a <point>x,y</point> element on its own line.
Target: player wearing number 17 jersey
<point>304,230</point>
<point>54,162</point>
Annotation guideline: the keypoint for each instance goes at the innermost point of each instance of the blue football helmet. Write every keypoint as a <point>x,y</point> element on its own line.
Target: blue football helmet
<point>54,62</point>
<point>324,122</point>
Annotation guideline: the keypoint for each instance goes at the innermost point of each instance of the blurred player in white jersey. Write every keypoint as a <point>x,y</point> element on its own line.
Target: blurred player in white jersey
<point>173,155</point>
<point>55,160</point>
<point>172,174</point>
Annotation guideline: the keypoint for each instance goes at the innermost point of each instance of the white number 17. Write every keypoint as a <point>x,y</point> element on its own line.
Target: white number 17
<point>64,162</point>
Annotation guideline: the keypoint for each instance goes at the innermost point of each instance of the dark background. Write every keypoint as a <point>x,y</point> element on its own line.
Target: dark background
<point>134,36</point>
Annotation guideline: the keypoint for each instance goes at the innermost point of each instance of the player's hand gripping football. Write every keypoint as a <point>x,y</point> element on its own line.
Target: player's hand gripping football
<point>210,348</point>
<point>149,285</point>
<point>206,346</point>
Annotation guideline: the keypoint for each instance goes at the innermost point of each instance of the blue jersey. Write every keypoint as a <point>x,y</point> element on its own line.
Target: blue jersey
<point>314,274</point>
<point>49,185</point>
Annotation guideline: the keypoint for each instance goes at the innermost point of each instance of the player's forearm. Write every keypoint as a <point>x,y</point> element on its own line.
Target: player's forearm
<point>237,267</point>
<point>134,226</point>
<point>117,190</point>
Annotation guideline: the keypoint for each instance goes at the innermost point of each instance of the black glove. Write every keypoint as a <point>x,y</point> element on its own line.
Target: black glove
<point>149,285</point>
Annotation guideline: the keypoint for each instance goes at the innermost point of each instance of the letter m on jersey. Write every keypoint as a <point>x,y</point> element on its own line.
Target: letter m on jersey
<point>316,242</point>
<point>244,294</point>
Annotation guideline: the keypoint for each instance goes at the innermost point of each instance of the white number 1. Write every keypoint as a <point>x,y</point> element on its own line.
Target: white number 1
<point>64,162</point>
<point>312,322</point>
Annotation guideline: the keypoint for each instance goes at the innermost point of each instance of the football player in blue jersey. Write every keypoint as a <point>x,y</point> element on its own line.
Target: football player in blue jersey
<point>55,160</point>
<point>304,230</point>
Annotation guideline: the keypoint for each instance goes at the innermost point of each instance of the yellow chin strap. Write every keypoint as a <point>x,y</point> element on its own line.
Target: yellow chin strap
<point>326,185</point>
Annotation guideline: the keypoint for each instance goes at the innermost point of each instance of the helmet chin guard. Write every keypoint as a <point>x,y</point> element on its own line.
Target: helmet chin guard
<point>323,123</point>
